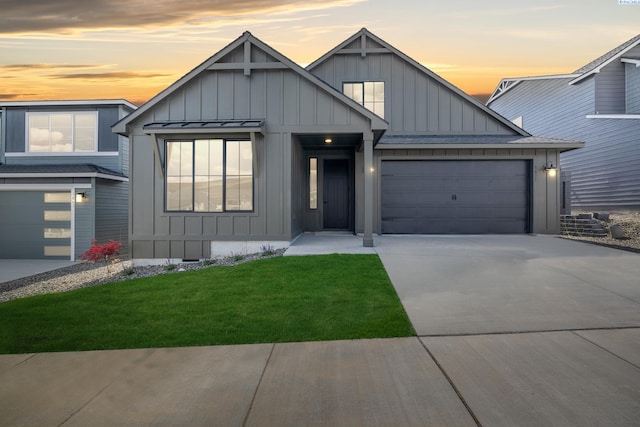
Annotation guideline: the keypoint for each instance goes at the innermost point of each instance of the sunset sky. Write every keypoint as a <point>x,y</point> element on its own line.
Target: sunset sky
<point>132,49</point>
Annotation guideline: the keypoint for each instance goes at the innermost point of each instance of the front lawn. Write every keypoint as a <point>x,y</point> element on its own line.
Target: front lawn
<point>327,297</point>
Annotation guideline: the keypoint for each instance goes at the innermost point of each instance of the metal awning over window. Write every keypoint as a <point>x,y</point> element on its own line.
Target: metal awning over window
<point>205,126</point>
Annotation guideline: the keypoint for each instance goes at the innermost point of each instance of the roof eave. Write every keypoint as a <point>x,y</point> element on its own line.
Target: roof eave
<point>564,146</point>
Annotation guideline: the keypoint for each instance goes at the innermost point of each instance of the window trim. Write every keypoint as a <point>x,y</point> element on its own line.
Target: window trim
<point>27,134</point>
<point>364,100</point>
<point>224,177</point>
<point>312,183</point>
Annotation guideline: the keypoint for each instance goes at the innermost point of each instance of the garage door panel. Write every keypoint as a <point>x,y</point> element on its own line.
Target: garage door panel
<point>35,225</point>
<point>460,196</point>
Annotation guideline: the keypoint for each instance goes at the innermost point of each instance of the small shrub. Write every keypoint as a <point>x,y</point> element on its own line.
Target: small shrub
<point>207,262</point>
<point>170,267</point>
<point>267,250</point>
<point>128,271</point>
<point>104,252</point>
<point>238,257</point>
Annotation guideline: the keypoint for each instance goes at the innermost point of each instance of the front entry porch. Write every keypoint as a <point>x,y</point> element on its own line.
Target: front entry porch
<point>330,184</point>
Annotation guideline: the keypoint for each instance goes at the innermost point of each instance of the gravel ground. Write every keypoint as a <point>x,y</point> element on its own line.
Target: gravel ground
<point>630,223</point>
<point>84,274</point>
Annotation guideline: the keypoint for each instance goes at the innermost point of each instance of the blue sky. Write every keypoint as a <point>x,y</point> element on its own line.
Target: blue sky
<point>132,49</point>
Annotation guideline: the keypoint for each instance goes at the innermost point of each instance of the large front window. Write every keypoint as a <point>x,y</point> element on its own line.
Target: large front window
<point>62,132</point>
<point>209,175</point>
<point>368,94</point>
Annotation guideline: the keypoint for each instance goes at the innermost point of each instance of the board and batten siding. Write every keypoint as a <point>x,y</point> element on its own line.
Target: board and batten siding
<point>610,86</point>
<point>415,103</point>
<point>287,102</point>
<point>604,174</point>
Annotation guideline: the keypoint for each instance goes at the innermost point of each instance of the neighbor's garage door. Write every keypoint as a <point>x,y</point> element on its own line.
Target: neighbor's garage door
<point>35,224</point>
<point>455,196</point>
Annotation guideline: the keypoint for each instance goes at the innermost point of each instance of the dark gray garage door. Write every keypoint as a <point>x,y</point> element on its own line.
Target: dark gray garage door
<point>455,196</point>
<point>35,224</point>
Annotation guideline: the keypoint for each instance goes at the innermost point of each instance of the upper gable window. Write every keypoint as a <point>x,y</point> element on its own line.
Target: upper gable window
<point>62,132</point>
<point>368,94</point>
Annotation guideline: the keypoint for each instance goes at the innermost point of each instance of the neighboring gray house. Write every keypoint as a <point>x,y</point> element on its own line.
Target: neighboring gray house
<point>250,149</point>
<point>599,104</point>
<point>63,177</point>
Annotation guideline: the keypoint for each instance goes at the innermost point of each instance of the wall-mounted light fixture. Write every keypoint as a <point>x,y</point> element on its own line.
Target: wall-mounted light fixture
<point>81,197</point>
<point>550,169</point>
<point>328,141</point>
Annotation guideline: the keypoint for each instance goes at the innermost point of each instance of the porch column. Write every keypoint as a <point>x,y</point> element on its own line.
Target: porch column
<point>367,240</point>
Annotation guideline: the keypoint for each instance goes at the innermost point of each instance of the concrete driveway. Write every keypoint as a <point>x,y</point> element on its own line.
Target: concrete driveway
<point>461,285</point>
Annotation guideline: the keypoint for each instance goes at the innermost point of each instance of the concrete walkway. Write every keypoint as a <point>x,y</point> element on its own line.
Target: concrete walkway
<point>514,330</point>
<point>11,269</point>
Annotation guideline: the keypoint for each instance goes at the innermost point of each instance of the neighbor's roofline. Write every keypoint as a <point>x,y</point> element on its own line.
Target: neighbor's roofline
<point>504,86</point>
<point>422,68</point>
<point>68,102</point>
<point>377,122</point>
<point>599,67</point>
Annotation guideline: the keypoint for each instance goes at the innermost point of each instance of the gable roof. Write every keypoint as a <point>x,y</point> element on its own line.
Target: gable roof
<point>597,64</point>
<point>283,62</point>
<point>384,47</point>
<point>578,75</point>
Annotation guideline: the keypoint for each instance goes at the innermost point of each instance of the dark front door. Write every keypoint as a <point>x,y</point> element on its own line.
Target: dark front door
<point>336,194</point>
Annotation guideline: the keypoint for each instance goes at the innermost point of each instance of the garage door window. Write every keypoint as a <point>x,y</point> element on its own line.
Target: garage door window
<point>57,230</point>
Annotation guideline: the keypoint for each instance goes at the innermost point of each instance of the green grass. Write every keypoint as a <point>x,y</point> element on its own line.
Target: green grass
<point>328,297</point>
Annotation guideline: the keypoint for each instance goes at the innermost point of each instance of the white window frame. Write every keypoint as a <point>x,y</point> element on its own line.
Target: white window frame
<point>27,139</point>
<point>364,98</point>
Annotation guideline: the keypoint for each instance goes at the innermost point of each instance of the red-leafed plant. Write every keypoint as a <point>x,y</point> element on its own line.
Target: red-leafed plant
<point>104,252</point>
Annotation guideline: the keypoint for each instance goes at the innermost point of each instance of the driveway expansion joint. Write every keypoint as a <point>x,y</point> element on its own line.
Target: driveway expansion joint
<point>451,383</point>
<point>606,349</point>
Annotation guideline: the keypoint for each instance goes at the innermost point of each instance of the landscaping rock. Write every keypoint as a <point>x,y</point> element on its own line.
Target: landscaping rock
<point>85,274</point>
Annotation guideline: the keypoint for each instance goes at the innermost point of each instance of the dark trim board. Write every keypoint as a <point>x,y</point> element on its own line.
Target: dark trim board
<point>456,196</point>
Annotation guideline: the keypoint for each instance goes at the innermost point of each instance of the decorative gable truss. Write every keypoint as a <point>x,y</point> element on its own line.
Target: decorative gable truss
<point>252,59</point>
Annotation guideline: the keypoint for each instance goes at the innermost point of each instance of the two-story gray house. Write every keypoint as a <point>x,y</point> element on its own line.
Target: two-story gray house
<point>598,103</point>
<point>63,177</point>
<point>249,149</point>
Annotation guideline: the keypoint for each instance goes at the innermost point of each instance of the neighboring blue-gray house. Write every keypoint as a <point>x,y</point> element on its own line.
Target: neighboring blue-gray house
<point>250,149</point>
<point>599,104</point>
<point>63,177</point>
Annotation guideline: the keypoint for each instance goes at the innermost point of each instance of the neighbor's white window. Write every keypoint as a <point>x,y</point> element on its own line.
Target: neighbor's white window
<point>368,94</point>
<point>209,175</point>
<point>62,132</point>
